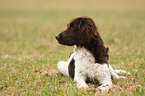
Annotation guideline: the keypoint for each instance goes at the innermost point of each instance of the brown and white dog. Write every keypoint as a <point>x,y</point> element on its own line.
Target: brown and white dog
<point>89,61</point>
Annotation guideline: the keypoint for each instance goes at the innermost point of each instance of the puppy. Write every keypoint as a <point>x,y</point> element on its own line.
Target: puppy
<point>89,61</point>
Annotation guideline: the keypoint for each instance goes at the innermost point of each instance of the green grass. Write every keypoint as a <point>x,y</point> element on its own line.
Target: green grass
<point>29,52</point>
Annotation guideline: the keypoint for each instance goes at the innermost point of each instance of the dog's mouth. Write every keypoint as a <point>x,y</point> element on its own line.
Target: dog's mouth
<point>63,42</point>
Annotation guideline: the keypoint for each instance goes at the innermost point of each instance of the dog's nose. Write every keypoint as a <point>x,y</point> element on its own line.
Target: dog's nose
<point>57,36</point>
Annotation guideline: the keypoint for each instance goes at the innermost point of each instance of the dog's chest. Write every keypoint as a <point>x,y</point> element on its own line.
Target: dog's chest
<point>83,56</point>
<point>84,61</point>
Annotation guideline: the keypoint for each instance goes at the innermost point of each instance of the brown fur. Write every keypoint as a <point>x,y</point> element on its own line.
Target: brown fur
<point>82,31</point>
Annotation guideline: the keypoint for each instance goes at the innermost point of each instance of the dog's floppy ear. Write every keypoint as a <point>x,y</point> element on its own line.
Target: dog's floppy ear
<point>87,30</point>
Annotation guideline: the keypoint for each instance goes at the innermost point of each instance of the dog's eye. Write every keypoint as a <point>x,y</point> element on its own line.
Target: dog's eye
<point>72,27</point>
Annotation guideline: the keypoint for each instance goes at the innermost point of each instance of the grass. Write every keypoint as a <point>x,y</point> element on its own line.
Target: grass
<point>29,52</point>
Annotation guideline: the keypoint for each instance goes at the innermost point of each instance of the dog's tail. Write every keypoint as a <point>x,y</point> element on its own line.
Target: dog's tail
<point>63,67</point>
<point>114,72</point>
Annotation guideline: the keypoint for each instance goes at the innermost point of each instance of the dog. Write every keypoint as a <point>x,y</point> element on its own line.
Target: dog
<point>89,61</point>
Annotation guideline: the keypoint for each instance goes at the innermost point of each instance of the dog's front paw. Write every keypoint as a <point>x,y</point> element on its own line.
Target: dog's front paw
<point>123,77</point>
<point>82,86</point>
<point>118,77</point>
<point>103,89</point>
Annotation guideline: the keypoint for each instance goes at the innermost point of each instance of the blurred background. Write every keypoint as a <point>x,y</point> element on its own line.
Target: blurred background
<point>26,24</point>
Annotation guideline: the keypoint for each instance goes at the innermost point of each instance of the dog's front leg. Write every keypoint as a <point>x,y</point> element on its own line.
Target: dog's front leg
<point>104,78</point>
<point>106,85</point>
<point>80,79</point>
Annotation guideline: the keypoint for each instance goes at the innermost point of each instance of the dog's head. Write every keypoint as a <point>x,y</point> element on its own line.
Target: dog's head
<point>79,31</point>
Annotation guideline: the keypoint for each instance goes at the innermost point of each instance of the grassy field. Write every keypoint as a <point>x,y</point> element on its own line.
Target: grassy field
<point>29,52</point>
